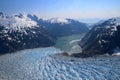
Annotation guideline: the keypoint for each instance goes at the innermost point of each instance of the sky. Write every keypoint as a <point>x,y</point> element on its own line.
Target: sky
<point>81,9</point>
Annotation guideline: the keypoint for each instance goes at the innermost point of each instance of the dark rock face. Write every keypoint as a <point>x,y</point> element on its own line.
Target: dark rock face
<point>17,38</point>
<point>118,36</point>
<point>18,41</point>
<point>1,13</point>
<point>102,38</point>
<point>58,29</point>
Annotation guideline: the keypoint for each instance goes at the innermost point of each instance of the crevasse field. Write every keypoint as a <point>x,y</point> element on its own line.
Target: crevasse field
<point>49,64</point>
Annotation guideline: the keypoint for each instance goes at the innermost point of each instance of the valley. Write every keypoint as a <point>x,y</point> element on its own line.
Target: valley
<point>32,48</point>
<point>69,44</point>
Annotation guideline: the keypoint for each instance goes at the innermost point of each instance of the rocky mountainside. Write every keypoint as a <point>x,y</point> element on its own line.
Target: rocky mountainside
<point>61,26</point>
<point>20,32</point>
<point>102,38</point>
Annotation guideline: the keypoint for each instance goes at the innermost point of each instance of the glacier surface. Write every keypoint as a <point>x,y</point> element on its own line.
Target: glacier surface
<point>49,64</point>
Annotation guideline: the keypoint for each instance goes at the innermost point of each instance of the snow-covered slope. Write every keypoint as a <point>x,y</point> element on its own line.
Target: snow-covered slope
<point>16,23</point>
<point>115,20</point>
<point>20,32</point>
<point>47,64</point>
<point>57,20</point>
<point>59,27</point>
<point>103,37</point>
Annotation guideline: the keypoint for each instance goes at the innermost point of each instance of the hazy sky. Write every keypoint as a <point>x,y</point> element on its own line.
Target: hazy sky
<point>63,8</point>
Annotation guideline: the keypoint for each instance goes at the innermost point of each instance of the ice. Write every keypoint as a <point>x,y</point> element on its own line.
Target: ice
<point>47,64</point>
<point>116,51</point>
<point>73,41</point>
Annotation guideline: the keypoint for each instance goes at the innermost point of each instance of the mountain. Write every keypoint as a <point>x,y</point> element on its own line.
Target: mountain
<point>61,26</point>
<point>19,32</point>
<point>103,38</point>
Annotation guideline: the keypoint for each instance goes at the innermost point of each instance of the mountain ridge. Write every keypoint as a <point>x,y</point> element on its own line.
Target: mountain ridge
<point>102,38</point>
<point>20,32</point>
<point>61,26</point>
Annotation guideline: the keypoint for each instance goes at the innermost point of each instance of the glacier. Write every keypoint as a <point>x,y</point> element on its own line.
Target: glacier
<point>49,64</point>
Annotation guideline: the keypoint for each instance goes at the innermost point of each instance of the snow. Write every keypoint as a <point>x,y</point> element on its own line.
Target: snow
<point>15,23</point>
<point>47,64</point>
<point>113,20</point>
<point>114,28</point>
<point>9,38</point>
<point>107,26</point>
<point>33,32</point>
<point>104,41</point>
<point>57,20</point>
<point>116,51</point>
<point>117,54</point>
<point>117,20</point>
<point>73,41</point>
<point>74,49</point>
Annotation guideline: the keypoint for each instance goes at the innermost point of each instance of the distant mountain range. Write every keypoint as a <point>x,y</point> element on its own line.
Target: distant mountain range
<point>61,26</point>
<point>103,38</point>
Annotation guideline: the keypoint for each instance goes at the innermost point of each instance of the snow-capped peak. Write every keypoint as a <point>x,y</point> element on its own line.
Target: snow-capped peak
<point>17,22</point>
<point>57,20</point>
<point>116,20</point>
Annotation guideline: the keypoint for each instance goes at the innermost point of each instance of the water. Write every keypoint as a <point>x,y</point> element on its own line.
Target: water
<point>47,64</point>
<point>69,44</point>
